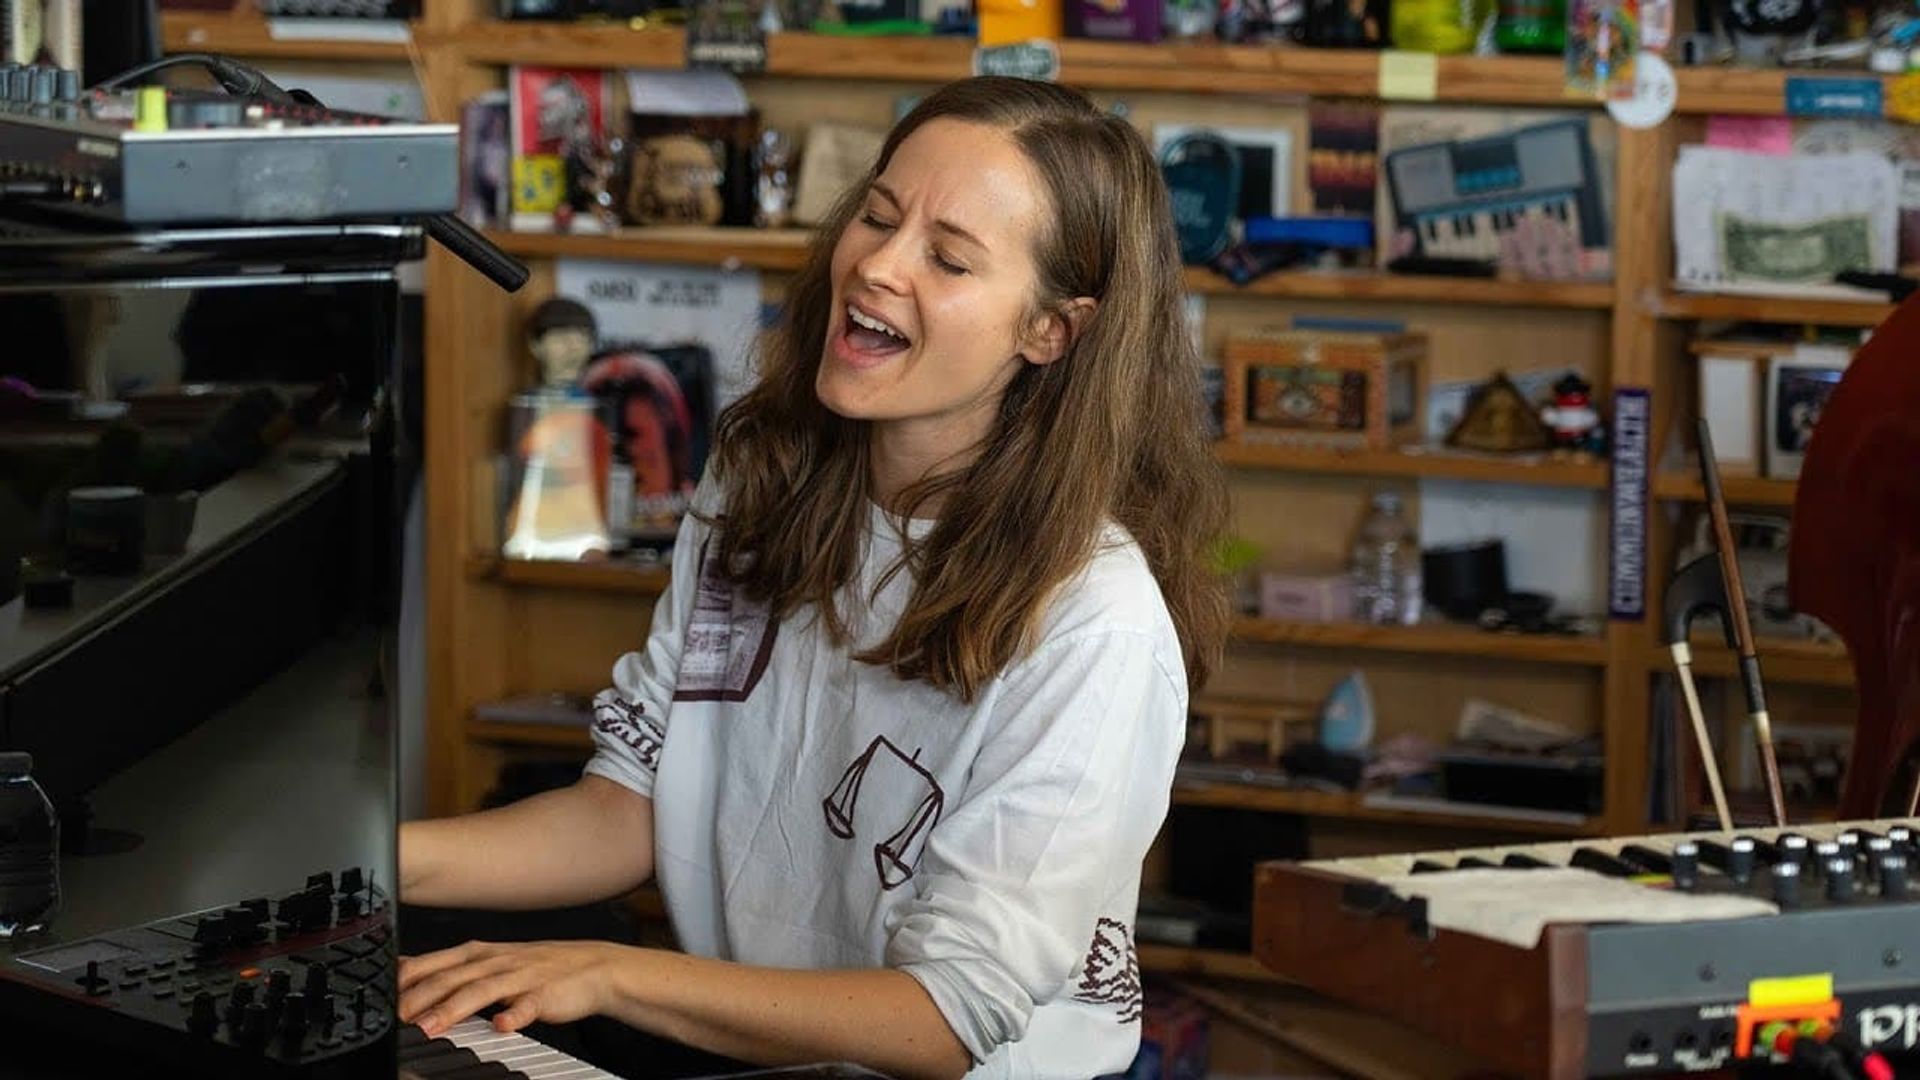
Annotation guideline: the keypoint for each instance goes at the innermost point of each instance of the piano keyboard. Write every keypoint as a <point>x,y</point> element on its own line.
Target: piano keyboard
<point>1719,856</point>
<point>472,1050</point>
<point>1477,233</point>
<point>1459,199</point>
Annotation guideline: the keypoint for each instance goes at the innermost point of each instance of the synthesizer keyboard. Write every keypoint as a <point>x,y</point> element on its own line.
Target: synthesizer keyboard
<point>185,157</point>
<point>1838,943</point>
<point>1460,199</point>
<point>298,988</point>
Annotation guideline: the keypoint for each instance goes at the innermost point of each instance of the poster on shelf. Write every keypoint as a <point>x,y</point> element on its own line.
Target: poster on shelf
<point>660,305</point>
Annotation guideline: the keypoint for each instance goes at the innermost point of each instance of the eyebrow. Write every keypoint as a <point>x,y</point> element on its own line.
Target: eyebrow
<point>939,223</point>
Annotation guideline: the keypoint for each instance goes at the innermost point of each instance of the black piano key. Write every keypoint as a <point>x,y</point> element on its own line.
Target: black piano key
<point>1651,861</point>
<point>1427,866</point>
<point>411,1035</point>
<point>486,1070</point>
<point>430,1048</point>
<point>1600,862</point>
<point>1518,861</point>
<point>1473,862</point>
<point>440,1064</point>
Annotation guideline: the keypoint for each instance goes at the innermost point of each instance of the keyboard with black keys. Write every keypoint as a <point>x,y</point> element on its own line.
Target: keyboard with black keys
<point>473,1050</point>
<point>1723,946</point>
<point>301,987</point>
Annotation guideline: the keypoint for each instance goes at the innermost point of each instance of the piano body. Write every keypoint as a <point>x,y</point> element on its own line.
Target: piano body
<point>1459,199</point>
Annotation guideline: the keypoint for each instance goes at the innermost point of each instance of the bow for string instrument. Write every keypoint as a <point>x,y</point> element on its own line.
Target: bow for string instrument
<point>1854,557</point>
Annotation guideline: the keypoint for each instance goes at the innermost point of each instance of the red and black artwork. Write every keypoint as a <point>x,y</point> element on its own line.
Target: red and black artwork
<point>1111,973</point>
<point>885,789</point>
<point>630,723</point>
<point>729,640</point>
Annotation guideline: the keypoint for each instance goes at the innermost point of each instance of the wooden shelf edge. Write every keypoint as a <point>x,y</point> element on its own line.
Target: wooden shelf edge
<point>1682,304</point>
<point>1795,663</point>
<point>1429,639</point>
<point>247,35</point>
<point>1351,806</point>
<point>601,576</point>
<point>1157,959</point>
<point>1542,472</point>
<point>1739,490</point>
<point>760,249</point>
<point>554,736</point>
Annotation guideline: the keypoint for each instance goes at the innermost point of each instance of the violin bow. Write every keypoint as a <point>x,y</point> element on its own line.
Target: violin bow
<point>1742,626</point>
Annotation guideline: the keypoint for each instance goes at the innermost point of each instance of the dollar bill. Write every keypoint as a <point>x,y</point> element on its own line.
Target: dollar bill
<point>1807,252</point>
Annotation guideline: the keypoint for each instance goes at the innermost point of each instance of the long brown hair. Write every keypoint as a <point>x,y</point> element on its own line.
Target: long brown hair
<point>1110,432</point>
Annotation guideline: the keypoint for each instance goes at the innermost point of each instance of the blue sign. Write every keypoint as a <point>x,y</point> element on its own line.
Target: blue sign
<point>1814,96</point>
<point>1627,554</point>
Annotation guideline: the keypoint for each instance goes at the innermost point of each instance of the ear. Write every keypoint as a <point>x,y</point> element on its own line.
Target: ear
<point>1053,333</point>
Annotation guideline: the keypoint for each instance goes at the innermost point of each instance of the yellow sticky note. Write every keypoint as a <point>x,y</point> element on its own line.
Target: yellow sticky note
<point>1903,99</point>
<point>1409,76</point>
<point>1798,990</point>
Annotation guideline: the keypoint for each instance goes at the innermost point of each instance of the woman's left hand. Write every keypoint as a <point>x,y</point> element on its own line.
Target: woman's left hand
<point>552,981</point>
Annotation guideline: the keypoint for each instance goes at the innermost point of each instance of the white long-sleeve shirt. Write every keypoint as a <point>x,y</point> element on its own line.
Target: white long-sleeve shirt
<point>812,811</point>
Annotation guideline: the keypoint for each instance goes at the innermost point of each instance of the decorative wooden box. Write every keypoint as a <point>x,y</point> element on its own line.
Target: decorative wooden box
<point>1340,391</point>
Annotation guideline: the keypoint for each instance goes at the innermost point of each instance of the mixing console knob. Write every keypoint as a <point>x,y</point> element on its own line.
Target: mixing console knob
<point>1794,849</point>
<point>20,86</point>
<point>1901,836</point>
<point>67,88</point>
<point>293,1017</point>
<point>1786,884</point>
<point>316,983</point>
<point>253,1024</point>
<point>1686,865</point>
<point>1877,848</point>
<point>203,1018</point>
<point>46,81</point>
<point>240,998</point>
<point>1840,879</point>
<point>279,981</point>
<point>1893,877</point>
<point>1740,860</point>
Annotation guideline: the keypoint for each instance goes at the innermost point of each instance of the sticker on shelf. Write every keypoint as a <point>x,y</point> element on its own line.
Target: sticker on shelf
<point>1903,99</point>
<point>1409,76</point>
<point>1038,60</point>
<point>1627,526</point>
<point>1653,97</point>
<point>1814,96</point>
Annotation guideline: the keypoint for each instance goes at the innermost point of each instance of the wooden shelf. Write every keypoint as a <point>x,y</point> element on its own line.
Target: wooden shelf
<point>1432,639</point>
<point>761,249</point>
<point>1753,91</point>
<point>1678,304</point>
<point>1198,68</point>
<point>548,736</point>
<point>602,576</point>
<point>1739,490</point>
<point>1539,471</point>
<point>247,35</point>
<point>1409,288</point>
<point>1352,806</point>
<point>1203,963</point>
<point>1800,663</point>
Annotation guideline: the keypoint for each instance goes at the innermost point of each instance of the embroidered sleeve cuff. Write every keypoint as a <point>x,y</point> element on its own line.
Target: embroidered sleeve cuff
<point>627,741</point>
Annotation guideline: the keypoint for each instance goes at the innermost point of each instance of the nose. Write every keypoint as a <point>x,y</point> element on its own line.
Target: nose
<point>883,268</point>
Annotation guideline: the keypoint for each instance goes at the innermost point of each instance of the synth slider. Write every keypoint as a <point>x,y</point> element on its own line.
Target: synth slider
<point>153,156</point>
<point>299,988</point>
<point>1460,199</point>
<point>1832,945</point>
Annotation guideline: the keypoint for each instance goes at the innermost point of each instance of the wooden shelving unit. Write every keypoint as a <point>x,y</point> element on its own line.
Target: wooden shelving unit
<point>1429,639</point>
<point>1175,960</point>
<point>1543,471</point>
<point>1678,304</point>
<point>1801,663</point>
<point>616,577</point>
<point>1352,806</point>
<point>249,35</point>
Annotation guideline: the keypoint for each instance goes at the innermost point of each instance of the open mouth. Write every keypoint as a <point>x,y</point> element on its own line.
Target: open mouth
<point>871,337</point>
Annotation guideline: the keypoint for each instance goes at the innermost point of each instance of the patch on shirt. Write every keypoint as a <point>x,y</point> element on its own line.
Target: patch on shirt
<point>886,793</point>
<point>729,641</point>
<point>631,724</point>
<point>1110,975</point>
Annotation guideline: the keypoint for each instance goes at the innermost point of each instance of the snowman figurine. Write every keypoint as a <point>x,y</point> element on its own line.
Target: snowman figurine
<point>1572,418</point>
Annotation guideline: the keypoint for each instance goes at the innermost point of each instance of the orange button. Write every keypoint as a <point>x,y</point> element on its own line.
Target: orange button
<point>249,973</point>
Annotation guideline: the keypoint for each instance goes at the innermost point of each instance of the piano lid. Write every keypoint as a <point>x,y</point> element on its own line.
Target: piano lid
<point>1854,559</point>
<point>38,252</point>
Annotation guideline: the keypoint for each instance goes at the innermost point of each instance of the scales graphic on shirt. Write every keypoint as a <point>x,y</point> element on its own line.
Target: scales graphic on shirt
<point>902,780</point>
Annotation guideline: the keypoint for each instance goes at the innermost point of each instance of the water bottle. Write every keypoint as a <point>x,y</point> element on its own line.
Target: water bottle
<point>1386,566</point>
<point>29,849</point>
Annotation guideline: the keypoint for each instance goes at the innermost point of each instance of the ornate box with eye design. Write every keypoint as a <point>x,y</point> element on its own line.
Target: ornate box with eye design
<point>1317,389</point>
<point>689,170</point>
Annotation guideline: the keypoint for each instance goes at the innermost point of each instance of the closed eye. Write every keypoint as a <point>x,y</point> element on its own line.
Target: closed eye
<point>873,222</point>
<point>948,267</point>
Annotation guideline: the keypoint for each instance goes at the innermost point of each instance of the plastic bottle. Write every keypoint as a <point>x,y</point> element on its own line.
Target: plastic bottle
<point>1386,566</point>
<point>29,849</point>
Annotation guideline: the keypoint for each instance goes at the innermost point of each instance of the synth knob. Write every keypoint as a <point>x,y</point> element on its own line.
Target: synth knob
<point>1794,849</point>
<point>254,1027</point>
<point>240,998</point>
<point>93,982</point>
<point>316,982</point>
<point>1740,860</point>
<point>1893,877</point>
<point>203,1018</point>
<point>20,86</point>
<point>46,82</point>
<point>279,981</point>
<point>352,880</point>
<point>293,1016</point>
<point>1825,853</point>
<point>1840,879</point>
<point>1786,884</point>
<point>1849,842</point>
<point>1686,865</point>
<point>1877,848</point>
<point>67,85</point>
<point>1901,836</point>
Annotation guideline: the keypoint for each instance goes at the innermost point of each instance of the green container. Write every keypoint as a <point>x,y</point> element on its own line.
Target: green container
<point>1531,26</point>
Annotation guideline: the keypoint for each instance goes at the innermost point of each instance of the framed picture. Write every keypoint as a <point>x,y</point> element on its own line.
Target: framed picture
<point>1266,164</point>
<point>1798,385</point>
